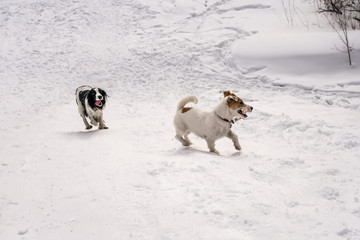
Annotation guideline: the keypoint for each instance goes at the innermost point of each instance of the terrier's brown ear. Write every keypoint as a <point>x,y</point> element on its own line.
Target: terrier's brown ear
<point>227,93</point>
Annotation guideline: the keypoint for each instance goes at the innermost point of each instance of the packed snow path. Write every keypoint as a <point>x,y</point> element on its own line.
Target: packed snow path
<point>296,177</point>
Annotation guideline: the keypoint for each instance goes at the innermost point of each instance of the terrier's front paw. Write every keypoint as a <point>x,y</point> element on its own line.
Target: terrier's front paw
<point>88,127</point>
<point>237,147</point>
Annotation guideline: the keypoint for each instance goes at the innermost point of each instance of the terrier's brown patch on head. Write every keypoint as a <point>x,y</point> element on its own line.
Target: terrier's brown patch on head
<point>227,93</point>
<point>235,102</point>
<point>185,109</point>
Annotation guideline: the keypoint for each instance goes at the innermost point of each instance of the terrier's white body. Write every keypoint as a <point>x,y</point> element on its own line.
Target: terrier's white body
<point>209,125</point>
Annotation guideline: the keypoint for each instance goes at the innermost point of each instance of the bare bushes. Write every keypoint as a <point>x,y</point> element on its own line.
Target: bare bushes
<point>343,15</point>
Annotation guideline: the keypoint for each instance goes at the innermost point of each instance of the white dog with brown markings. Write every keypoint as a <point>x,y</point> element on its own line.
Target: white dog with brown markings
<point>210,126</point>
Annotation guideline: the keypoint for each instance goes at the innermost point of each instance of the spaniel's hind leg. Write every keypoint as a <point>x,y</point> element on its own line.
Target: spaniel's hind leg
<point>87,125</point>
<point>102,123</point>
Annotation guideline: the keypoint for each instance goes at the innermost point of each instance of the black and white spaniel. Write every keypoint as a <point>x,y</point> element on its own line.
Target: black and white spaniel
<point>91,103</point>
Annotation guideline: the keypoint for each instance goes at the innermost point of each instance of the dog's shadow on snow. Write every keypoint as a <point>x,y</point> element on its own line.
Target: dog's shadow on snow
<point>81,134</point>
<point>236,154</point>
<point>188,151</point>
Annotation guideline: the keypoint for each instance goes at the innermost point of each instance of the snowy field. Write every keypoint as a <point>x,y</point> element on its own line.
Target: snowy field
<point>296,177</point>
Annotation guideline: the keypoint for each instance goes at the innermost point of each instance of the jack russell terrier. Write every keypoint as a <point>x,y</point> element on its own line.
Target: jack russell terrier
<point>210,126</point>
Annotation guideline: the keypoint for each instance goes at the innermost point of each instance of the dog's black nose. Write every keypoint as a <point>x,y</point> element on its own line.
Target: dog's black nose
<point>100,97</point>
<point>251,108</point>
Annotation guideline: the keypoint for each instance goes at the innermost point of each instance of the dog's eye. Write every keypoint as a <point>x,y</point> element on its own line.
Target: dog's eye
<point>241,103</point>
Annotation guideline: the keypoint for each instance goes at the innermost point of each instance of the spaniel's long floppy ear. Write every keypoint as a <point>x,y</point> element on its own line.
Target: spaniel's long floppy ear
<point>102,92</point>
<point>227,93</point>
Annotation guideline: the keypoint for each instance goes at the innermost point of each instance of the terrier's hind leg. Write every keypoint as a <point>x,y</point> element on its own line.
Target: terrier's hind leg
<point>180,130</point>
<point>182,140</point>
<point>186,137</point>
<point>179,133</point>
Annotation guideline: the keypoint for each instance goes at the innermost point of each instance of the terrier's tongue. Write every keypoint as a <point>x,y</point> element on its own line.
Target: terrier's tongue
<point>98,103</point>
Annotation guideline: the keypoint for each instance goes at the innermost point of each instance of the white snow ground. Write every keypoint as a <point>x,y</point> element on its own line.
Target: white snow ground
<point>297,176</point>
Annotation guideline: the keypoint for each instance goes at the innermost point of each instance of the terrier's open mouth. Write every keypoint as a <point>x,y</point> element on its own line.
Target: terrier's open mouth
<point>242,113</point>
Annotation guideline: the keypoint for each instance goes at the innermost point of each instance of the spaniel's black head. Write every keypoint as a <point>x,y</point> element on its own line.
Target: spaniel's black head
<point>97,98</point>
